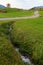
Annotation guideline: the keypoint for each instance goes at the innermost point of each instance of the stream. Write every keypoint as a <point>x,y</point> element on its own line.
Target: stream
<point>25,59</point>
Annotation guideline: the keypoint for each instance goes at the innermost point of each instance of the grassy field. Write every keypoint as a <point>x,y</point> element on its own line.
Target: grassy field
<point>28,36</point>
<point>13,12</point>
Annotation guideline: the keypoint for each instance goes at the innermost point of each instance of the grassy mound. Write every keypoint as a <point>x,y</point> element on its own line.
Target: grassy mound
<point>28,36</point>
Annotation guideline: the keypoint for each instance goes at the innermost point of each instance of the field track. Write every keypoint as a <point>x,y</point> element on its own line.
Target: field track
<point>18,18</point>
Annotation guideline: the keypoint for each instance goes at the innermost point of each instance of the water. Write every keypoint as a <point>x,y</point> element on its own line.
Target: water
<point>17,49</point>
<point>24,58</point>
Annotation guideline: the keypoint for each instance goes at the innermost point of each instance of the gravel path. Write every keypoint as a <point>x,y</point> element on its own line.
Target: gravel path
<point>36,15</point>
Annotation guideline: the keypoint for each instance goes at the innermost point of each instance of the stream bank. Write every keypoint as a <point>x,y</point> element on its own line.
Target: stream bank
<point>24,57</point>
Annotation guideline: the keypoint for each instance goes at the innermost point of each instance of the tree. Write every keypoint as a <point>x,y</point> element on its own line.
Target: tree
<point>8,5</point>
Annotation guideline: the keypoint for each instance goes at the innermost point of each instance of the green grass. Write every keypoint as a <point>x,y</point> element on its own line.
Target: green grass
<point>8,55</point>
<point>41,13</point>
<point>13,12</point>
<point>28,35</point>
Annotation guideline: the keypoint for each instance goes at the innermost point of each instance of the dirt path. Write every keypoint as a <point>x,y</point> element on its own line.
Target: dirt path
<point>36,15</point>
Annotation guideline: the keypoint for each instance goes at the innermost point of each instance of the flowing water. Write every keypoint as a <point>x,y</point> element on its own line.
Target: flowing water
<point>24,58</point>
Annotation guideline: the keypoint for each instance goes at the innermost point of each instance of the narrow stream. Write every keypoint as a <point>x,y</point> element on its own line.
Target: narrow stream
<point>25,59</point>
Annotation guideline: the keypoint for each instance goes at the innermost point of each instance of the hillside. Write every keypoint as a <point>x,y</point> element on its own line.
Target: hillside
<point>2,6</point>
<point>38,7</point>
<point>14,12</point>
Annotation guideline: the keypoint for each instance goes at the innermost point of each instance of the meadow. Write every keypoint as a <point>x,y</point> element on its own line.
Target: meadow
<point>25,34</point>
<point>14,12</point>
